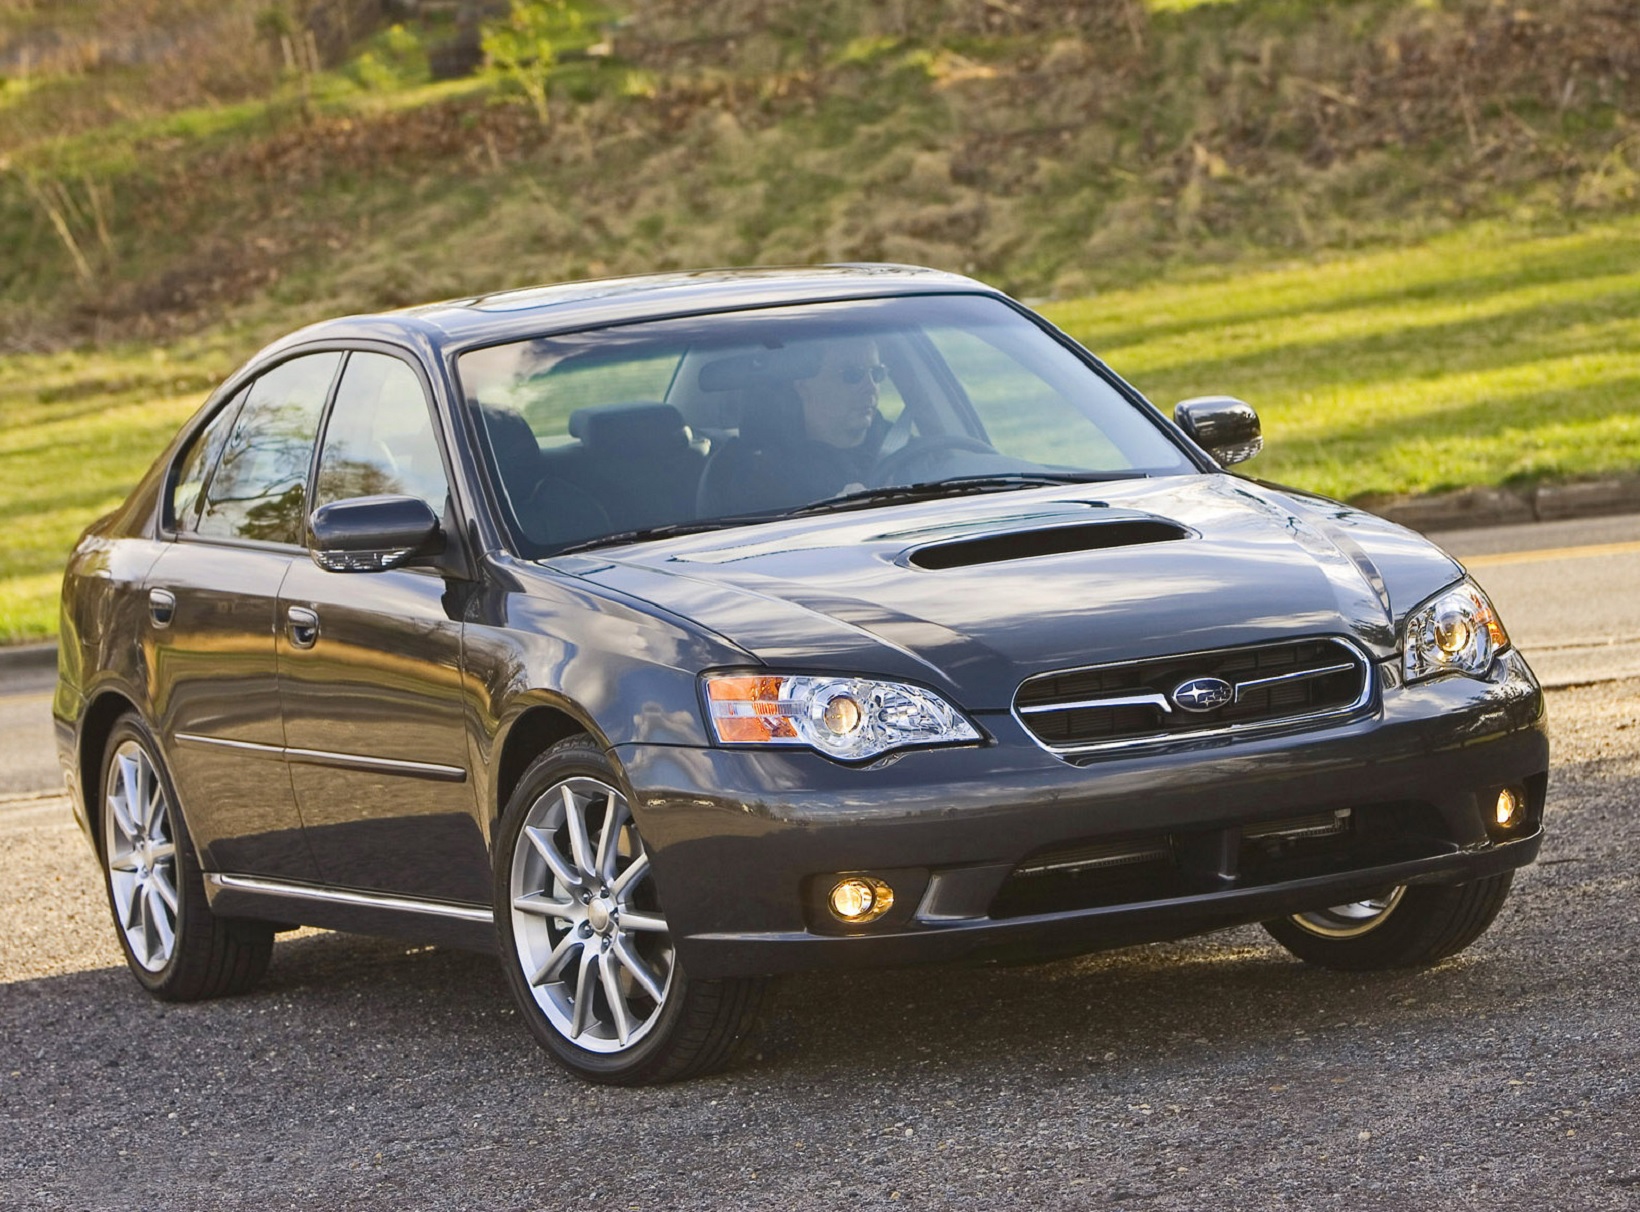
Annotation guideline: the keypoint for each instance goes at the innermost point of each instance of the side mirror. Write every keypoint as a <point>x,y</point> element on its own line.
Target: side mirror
<point>369,534</point>
<point>1223,426</point>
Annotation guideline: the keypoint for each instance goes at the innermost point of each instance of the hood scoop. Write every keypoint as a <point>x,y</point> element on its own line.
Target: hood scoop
<point>1054,540</point>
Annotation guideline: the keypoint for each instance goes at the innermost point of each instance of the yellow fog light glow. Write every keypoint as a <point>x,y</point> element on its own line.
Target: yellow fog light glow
<point>857,899</point>
<point>1508,809</point>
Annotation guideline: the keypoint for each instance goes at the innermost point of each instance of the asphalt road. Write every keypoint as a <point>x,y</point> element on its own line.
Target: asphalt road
<point>1210,1073</point>
<point>1569,592</point>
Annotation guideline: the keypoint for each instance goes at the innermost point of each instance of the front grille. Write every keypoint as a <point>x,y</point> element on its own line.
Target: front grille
<point>1142,702</point>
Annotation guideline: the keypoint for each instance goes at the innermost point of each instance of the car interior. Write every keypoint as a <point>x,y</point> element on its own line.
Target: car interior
<point>635,464</point>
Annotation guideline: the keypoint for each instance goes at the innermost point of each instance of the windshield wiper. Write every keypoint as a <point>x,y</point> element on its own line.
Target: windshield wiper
<point>957,486</point>
<point>659,532</point>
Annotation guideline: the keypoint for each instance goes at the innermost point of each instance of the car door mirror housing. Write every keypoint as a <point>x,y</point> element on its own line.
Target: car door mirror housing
<point>369,534</point>
<point>1223,426</point>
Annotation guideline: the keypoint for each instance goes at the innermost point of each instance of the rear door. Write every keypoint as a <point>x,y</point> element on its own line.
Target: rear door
<point>236,509</point>
<point>370,667</point>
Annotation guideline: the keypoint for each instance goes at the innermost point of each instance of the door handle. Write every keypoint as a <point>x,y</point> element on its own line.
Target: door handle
<point>303,626</point>
<point>162,606</point>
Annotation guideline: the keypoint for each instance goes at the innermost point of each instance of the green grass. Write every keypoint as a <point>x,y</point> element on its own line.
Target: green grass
<point>1484,357</point>
<point>76,430</point>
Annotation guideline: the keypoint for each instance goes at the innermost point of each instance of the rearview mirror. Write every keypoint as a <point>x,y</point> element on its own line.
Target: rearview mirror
<point>369,534</point>
<point>1223,426</point>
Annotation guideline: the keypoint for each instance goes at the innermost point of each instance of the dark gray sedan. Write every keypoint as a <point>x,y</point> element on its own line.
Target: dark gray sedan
<point>663,634</point>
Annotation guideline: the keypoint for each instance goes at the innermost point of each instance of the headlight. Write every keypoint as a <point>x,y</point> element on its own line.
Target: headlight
<point>841,717</point>
<point>1456,631</point>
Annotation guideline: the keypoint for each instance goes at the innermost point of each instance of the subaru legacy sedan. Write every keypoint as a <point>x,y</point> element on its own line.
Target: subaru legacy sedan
<point>664,634</point>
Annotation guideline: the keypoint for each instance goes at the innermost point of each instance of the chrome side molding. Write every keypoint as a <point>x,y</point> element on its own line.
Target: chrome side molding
<point>342,896</point>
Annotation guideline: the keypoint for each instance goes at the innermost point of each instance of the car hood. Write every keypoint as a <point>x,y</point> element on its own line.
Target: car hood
<point>972,595</point>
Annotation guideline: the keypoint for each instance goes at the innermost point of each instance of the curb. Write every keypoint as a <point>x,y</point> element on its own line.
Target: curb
<point>1475,507</point>
<point>28,658</point>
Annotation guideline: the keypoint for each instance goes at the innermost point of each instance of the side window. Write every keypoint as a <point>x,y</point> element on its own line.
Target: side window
<point>380,436</point>
<point>259,489</point>
<point>196,466</point>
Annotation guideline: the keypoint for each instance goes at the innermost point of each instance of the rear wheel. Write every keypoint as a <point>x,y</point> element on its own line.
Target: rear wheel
<point>174,944</point>
<point>588,953</point>
<point>1404,927</point>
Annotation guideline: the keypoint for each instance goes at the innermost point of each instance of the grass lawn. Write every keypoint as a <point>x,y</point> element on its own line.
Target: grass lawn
<point>1490,356</point>
<point>1487,357</point>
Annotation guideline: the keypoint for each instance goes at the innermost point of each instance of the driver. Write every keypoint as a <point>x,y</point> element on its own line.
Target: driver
<point>823,440</point>
<point>840,407</point>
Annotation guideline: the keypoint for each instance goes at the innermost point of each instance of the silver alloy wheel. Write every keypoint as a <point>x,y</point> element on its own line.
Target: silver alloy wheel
<point>1351,920</point>
<point>588,932</point>
<point>141,856</point>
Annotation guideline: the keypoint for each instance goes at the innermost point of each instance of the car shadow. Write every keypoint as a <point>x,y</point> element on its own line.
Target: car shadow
<point>1220,995</point>
<point>1221,999</point>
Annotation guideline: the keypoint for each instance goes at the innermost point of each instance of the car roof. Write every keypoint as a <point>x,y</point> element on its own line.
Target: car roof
<point>539,310</point>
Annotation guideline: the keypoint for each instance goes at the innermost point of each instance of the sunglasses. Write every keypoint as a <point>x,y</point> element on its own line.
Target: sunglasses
<point>853,375</point>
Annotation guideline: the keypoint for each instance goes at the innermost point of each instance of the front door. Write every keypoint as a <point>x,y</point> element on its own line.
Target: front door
<point>370,669</point>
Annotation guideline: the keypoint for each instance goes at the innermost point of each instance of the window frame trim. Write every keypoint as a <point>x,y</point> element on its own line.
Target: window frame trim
<point>228,392</point>
<point>242,380</point>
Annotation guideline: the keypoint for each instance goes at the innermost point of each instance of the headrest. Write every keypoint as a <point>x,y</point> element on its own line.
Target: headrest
<point>762,369</point>
<point>629,428</point>
<point>517,453</point>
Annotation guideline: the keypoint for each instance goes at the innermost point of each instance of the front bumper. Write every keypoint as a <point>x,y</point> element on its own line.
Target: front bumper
<point>744,842</point>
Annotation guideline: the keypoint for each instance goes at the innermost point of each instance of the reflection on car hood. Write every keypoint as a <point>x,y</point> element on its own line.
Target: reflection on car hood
<point>843,593</point>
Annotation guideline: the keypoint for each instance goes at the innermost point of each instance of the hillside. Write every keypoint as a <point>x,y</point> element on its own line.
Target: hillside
<point>170,162</point>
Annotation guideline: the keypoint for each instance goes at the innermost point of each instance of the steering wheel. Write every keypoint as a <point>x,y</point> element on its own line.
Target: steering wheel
<point>923,453</point>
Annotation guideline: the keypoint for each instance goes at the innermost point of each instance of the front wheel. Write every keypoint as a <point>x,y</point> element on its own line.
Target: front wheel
<point>585,943</point>
<point>1405,927</point>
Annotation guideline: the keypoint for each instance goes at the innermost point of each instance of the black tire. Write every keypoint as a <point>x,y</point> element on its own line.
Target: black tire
<point>151,862</point>
<point>558,958</point>
<point>1420,924</point>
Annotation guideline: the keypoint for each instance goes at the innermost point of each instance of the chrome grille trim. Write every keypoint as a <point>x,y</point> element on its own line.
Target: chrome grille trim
<point>1095,858</point>
<point>1299,676</point>
<point>1123,700</point>
<point>1359,661</point>
<point>1322,824</point>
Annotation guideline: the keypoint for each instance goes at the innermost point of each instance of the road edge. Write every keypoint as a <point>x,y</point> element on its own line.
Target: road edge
<point>20,658</point>
<point>1478,507</point>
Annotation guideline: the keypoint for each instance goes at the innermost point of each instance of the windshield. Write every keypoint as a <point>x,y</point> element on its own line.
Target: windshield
<point>754,415</point>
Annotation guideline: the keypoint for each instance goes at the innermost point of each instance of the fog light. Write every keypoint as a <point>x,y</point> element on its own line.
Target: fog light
<point>859,899</point>
<point>1507,813</point>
